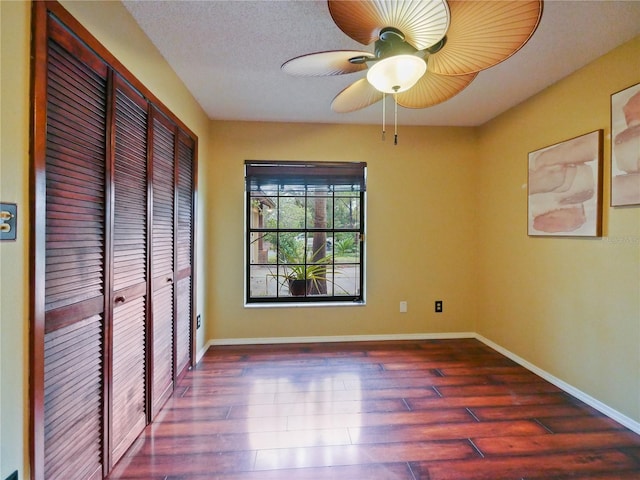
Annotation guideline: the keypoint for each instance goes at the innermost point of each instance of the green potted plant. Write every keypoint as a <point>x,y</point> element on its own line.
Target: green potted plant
<point>302,271</point>
<point>303,279</point>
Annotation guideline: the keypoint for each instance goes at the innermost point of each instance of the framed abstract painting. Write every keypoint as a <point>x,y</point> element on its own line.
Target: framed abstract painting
<point>564,188</point>
<point>625,147</point>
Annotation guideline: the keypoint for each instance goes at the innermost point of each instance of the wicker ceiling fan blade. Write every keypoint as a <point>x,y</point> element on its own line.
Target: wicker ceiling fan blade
<point>359,94</point>
<point>432,89</point>
<point>335,62</point>
<point>483,34</point>
<point>422,23</point>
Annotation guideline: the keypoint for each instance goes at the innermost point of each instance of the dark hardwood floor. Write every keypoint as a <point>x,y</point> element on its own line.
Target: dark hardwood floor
<point>410,410</point>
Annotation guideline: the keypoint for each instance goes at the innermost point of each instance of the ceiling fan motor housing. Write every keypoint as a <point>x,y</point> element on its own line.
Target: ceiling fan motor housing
<point>391,42</point>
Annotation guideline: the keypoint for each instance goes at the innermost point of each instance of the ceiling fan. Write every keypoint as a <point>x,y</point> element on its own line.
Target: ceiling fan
<point>425,51</point>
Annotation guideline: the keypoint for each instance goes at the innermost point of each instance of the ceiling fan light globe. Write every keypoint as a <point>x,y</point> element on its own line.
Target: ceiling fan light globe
<point>396,74</point>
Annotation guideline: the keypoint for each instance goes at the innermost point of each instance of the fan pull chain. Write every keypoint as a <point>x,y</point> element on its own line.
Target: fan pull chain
<point>395,119</point>
<point>384,114</point>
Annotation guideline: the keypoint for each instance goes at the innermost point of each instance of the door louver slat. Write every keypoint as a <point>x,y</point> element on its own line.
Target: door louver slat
<point>128,381</point>
<point>183,323</point>
<point>73,429</point>
<point>162,344</point>
<point>79,285</point>
<point>130,238</point>
<point>185,192</point>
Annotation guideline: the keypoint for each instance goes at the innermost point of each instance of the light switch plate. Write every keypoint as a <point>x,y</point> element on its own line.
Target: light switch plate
<point>8,221</point>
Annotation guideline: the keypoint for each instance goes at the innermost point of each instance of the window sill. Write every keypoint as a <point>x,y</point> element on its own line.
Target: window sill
<point>304,304</point>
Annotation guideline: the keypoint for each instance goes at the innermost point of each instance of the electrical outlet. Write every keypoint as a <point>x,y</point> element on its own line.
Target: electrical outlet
<point>8,221</point>
<point>438,306</point>
<point>198,322</point>
<point>403,307</point>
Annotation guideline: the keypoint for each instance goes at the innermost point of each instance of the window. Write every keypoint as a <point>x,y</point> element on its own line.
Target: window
<point>304,231</point>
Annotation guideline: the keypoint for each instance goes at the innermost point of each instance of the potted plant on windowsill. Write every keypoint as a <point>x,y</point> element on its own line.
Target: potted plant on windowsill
<point>304,279</point>
<point>305,271</point>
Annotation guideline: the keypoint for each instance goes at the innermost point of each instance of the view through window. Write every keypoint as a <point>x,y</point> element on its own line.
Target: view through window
<point>305,231</point>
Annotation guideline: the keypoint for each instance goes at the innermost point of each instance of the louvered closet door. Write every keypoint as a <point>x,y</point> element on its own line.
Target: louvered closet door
<point>129,297</point>
<point>184,249</point>
<point>111,298</point>
<point>75,256</point>
<point>162,262</point>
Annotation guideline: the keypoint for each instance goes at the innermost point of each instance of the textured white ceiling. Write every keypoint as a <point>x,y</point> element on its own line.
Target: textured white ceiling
<point>228,53</point>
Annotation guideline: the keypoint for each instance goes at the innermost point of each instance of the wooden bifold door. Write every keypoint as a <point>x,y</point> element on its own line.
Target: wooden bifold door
<point>113,182</point>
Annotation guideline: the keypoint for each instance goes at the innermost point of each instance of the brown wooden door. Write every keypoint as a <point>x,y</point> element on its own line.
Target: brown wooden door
<point>128,413</point>
<point>106,344</point>
<point>74,257</point>
<point>162,262</point>
<point>184,253</point>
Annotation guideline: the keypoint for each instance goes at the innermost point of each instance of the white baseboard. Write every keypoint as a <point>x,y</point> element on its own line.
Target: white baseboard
<point>341,338</point>
<point>571,390</point>
<point>202,351</point>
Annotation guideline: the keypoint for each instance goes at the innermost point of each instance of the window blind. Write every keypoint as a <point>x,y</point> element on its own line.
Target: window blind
<point>338,176</point>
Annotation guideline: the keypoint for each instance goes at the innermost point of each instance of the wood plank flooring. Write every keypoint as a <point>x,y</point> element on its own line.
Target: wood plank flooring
<point>410,410</point>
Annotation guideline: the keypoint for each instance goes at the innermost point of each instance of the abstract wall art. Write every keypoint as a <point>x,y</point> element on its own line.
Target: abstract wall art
<point>565,188</point>
<point>625,147</point>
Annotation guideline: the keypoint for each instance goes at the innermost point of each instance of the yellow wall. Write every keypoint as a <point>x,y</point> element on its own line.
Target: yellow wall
<point>114,27</point>
<point>14,278</point>
<point>570,306</point>
<point>420,229</point>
